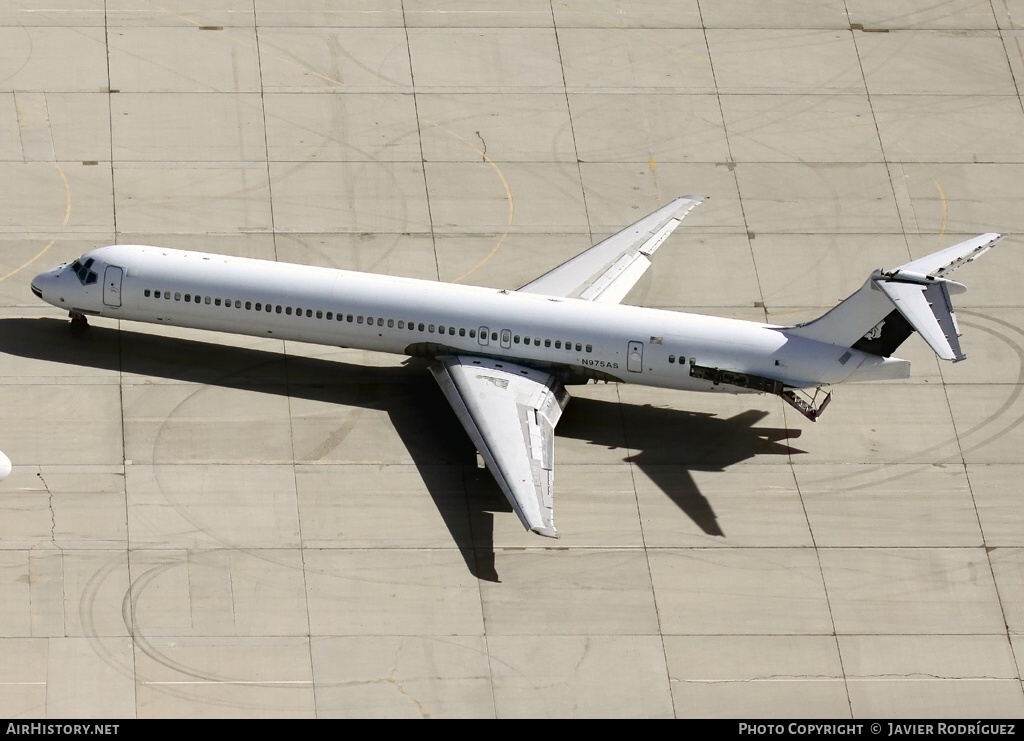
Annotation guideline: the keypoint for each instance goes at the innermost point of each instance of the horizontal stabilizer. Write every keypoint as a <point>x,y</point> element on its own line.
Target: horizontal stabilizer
<point>942,263</point>
<point>928,309</point>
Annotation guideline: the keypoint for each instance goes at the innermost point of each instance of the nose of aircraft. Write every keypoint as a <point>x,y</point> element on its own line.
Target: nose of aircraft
<point>40,282</point>
<point>5,466</point>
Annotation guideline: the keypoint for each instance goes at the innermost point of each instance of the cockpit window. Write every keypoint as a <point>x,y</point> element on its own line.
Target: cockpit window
<point>85,276</point>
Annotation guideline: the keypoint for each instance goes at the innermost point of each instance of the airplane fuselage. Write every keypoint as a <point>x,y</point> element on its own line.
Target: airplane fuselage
<point>575,338</point>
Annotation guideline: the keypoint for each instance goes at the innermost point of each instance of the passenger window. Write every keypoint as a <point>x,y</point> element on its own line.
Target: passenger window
<point>579,347</point>
<point>391,323</point>
<point>494,336</point>
<point>671,358</point>
<point>516,339</point>
<point>349,319</point>
<point>462,331</point>
<point>558,344</point>
<point>451,330</point>
<point>430,327</point>
<point>216,302</point>
<point>320,314</point>
<point>380,322</point>
<point>238,303</point>
<point>188,298</point>
<point>547,343</point>
<point>401,324</point>
<point>206,300</point>
<point>288,310</point>
<point>359,319</point>
<point>441,329</point>
<point>278,308</point>
<point>472,333</point>
<point>146,293</point>
<point>259,307</point>
<point>590,348</point>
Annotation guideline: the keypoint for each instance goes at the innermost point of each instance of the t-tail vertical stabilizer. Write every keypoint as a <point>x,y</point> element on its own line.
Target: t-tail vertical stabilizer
<point>892,304</point>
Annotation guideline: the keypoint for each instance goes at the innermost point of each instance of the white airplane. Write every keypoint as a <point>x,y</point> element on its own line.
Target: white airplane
<point>504,357</point>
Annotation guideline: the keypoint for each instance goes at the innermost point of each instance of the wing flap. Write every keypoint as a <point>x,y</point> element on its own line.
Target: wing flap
<point>608,270</point>
<point>510,413</point>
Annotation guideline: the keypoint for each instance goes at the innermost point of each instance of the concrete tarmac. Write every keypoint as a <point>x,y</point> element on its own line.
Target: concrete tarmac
<point>201,525</point>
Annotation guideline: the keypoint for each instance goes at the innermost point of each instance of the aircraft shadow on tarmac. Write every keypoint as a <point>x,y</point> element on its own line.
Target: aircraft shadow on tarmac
<point>671,443</point>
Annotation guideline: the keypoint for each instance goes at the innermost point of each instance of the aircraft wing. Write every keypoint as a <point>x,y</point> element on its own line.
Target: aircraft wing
<point>608,270</point>
<point>510,412</point>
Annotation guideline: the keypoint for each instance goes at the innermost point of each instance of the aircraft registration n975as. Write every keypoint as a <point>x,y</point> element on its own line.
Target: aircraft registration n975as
<point>503,358</point>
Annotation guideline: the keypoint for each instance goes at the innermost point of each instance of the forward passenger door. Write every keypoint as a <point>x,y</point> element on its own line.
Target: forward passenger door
<point>112,285</point>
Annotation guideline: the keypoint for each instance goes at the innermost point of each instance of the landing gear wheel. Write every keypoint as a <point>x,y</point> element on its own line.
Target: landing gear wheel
<point>78,320</point>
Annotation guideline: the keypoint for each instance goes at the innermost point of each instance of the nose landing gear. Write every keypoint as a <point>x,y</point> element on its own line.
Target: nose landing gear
<point>78,319</point>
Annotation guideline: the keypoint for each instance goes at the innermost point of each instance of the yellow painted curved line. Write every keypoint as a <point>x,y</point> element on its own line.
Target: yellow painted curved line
<point>67,195</point>
<point>67,218</point>
<point>508,197</point>
<point>945,211</point>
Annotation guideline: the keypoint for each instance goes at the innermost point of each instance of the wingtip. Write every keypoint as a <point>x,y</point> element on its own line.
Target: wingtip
<point>547,532</point>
